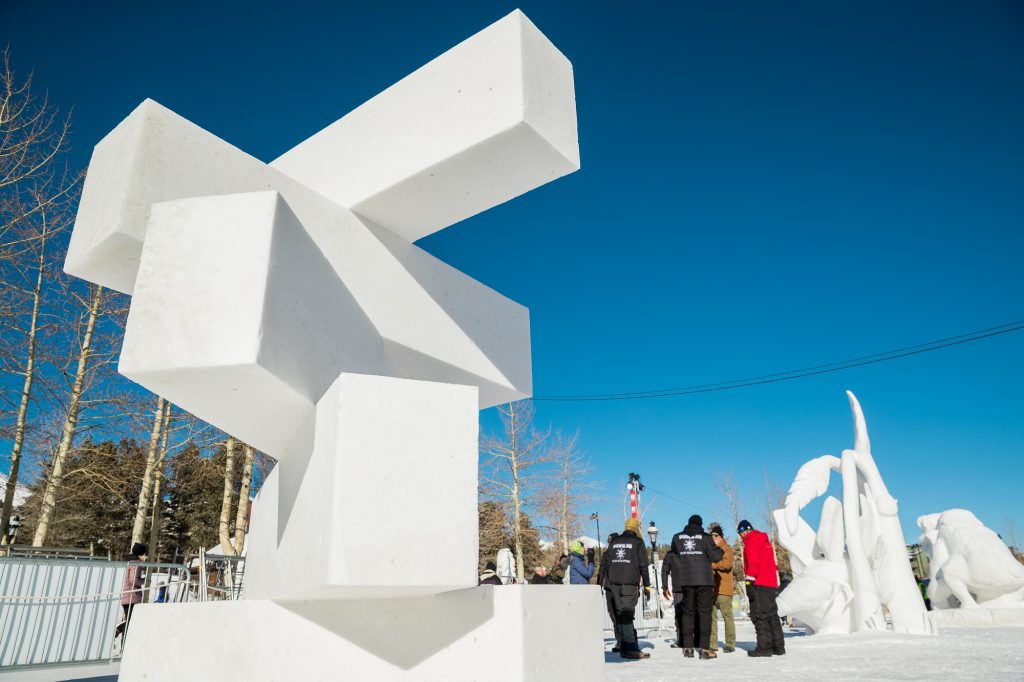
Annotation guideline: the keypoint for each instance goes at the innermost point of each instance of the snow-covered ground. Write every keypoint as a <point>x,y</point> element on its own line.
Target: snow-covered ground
<point>988,654</point>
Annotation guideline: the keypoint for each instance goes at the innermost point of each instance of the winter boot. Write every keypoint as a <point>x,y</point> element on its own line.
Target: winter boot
<point>688,652</point>
<point>729,649</point>
<point>705,654</point>
<point>759,652</point>
<point>634,654</point>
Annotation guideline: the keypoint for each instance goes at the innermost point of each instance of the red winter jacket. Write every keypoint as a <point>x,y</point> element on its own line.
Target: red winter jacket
<point>759,559</point>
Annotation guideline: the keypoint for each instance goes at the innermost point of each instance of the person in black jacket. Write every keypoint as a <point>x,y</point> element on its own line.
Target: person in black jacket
<point>602,580</point>
<point>694,552</point>
<point>627,570</point>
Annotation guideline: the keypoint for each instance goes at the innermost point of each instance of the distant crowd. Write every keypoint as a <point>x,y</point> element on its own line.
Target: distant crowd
<point>697,575</point>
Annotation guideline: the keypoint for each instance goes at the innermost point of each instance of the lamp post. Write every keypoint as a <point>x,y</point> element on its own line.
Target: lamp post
<point>652,532</point>
<point>597,519</point>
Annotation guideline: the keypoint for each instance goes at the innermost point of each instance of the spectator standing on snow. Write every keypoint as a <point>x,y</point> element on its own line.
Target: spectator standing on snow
<point>627,569</point>
<point>557,572</point>
<point>580,570</point>
<point>490,575</point>
<point>723,593</point>
<point>762,580</point>
<point>696,551</point>
<point>131,590</point>
<point>670,567</point>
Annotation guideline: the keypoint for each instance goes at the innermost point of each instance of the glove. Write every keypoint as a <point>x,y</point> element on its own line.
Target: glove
<point>647,591</point>
<point>590,555</point>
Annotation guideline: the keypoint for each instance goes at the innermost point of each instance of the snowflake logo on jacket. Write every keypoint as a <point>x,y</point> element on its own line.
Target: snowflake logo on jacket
<point>620,554</point>
<point>690,544</point>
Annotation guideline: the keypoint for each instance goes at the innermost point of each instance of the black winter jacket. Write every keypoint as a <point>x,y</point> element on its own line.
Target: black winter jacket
<point>602,570</point>
<point>693,551</point>
<point>627,561</point>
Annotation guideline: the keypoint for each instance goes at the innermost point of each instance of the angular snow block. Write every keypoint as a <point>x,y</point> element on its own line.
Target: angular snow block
<point>153,155</point>
<point>238,316</point>
<point>385,506</point>
<point>501,634</point>
<point>488,120</point>
<point>476,335</point>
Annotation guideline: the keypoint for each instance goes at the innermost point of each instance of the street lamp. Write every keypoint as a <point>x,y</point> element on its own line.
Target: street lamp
<point>652,532</point>
<point>597,519</point>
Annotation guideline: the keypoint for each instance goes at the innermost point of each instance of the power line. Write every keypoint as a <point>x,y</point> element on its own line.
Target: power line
<point>800,373</point>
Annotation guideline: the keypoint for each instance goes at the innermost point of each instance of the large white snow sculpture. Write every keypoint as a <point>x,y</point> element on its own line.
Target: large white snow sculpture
<point>969,565</point>
<point>833,591</point>
<point>286,304</point>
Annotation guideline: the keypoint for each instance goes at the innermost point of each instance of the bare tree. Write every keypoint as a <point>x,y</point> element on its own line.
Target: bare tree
<point>35,192</point>
<point>225,505</point>
<point>730,490</point>
<point>159,417</point>
<point>55,476</point>
<point>569,490</point>
<point>242,513</point>
<point>157,505</point>
<point>510,468</point>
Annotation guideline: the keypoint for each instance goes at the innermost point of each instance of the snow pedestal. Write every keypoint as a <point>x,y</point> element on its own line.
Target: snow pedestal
<point>537,632</point>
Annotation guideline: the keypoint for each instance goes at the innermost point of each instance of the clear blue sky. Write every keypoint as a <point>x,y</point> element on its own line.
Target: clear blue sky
<point>765,186</point>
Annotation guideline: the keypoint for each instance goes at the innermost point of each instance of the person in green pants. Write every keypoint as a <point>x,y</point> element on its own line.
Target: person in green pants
<point>723,594</point>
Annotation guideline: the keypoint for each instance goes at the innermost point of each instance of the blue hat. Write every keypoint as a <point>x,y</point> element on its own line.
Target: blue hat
<point>744,526</point>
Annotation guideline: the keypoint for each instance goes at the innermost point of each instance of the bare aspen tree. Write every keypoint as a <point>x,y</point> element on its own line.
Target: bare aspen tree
<point>225,505</point>
<point>241,514</point>
<point>156,506</point>
<point>139,527</point>
<point>34,194</point>
<point>21,421</point>
<point>731,492</point>
<point>570,490</point>
<point>509,472</point>
<point>55,477</point>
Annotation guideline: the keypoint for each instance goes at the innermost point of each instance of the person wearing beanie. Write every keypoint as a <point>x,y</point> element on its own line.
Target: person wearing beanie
<point>490,575</point>
<point>762,580</point>
<point>580,570</point>
<point>723,592</point>
<point>691,554</point>
<point>627,571</point>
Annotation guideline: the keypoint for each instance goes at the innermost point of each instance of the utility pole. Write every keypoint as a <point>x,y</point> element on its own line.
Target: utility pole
<point>635,487</point>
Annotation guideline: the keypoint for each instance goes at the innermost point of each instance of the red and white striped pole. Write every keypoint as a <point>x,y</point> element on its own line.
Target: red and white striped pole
<point>633,498</point>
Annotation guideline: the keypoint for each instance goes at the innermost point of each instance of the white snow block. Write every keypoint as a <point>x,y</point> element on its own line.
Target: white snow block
<point>386,503</point>
<point>501,634</point>
<point>221,321</point>
<point>476,336</point>
<point>488,120</point>
<point>978,617</point>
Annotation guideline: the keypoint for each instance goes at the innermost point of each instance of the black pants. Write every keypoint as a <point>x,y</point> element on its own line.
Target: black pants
<point>623,600</point>
<point>610,603</point>
<point>122,627</point>
<point>764,613</point>
<point>696,615</point>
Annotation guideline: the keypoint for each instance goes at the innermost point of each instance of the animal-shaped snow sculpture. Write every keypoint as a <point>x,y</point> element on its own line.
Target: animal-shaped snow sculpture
<point>877,572</point>
<point>970,564</point>
<point>820,596</point>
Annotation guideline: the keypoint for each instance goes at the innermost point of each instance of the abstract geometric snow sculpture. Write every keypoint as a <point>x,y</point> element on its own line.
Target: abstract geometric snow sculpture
<point>837,591</point>
<point>286,304</point>
<point>970,566</point>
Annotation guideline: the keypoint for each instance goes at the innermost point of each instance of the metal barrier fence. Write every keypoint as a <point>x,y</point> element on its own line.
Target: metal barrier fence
<point>66,610</point>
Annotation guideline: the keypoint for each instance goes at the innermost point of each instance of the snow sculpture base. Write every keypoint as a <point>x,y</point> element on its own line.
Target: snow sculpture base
<point>535,632</point>
<point>978,618</point>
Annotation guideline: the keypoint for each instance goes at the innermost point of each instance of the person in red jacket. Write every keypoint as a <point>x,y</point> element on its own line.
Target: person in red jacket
<point>762,579</point>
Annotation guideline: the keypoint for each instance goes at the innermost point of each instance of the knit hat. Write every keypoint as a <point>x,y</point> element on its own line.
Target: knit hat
<point>695,520</point>
<point>138,549</point>
<point>744,526</point>
<point>577,548</point>
<point>633,525</point>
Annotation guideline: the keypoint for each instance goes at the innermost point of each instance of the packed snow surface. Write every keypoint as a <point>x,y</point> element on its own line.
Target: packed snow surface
<point>955,653</point>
